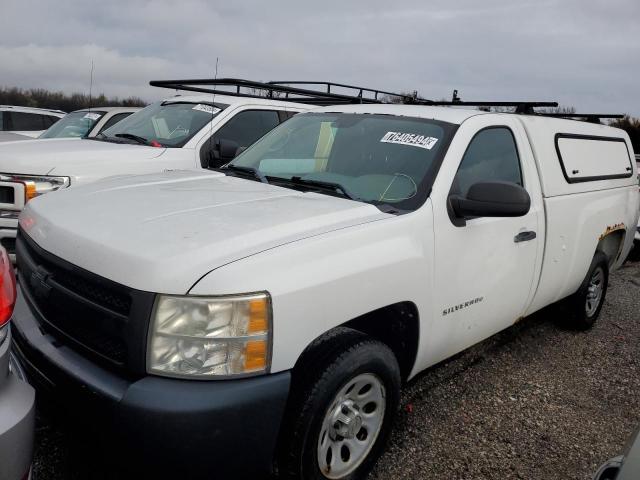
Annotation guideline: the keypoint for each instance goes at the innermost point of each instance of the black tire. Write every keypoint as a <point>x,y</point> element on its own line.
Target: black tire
<point>634,254</point>
<point>344,355</point>
<point>581,317</point>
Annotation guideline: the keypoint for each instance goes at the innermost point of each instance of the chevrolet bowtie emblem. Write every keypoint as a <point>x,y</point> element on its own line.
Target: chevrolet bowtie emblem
<point>38,282</point>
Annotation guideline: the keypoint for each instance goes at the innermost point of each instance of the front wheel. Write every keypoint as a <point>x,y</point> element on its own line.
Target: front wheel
<point>340,418</point>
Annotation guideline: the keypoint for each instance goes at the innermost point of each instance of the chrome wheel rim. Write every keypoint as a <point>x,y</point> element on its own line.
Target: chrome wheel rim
<point>351,425</point>
<point>594,291</point>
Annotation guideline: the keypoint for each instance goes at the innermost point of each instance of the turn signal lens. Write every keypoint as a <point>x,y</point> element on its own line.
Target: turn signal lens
<point>7,288</point>
<point>255,355</point>
<point>29,191</point>
<point>258,311</point>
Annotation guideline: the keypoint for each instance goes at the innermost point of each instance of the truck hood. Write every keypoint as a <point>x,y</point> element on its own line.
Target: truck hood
<point>60,156</point>
<point>163,232</point>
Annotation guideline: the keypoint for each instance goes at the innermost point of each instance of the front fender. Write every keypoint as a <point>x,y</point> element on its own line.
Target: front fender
<point>324,281</point>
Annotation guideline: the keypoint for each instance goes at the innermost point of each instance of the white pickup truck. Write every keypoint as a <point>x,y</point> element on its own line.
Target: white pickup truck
<point>263,318</point>
<point>181,132</point>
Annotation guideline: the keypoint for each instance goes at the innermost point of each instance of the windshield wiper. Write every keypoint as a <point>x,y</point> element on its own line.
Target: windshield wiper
<point>131,136</point>
<point>321,185</point>
<point>254,172</point>
<point>101,137</point>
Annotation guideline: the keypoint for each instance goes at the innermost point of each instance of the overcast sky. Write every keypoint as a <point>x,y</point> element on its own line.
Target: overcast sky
<point>581,53</point>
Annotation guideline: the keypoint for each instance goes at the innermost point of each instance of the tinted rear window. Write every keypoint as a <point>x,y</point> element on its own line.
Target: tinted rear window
<point>27,122</point>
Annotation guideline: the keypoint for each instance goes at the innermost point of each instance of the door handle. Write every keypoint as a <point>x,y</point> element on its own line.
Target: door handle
<point>524,236</point>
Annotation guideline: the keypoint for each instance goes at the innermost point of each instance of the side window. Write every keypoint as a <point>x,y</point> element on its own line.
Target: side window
<point>236,135</point>
<point>248,126</point>
<point>115,119</point>
<point>492,155</point>
<point>28,122</point>
<point>286,115</point>
<point>2,120</point>
<point>49,120</point>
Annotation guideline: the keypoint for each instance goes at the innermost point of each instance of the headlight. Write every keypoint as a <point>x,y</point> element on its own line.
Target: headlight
<point>36,185</point>
<point>210,336</point>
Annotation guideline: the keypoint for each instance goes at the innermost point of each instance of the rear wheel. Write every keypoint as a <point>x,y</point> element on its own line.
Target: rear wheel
<point>585,305</point>
<point>634,254</point>
<point>341,416</point>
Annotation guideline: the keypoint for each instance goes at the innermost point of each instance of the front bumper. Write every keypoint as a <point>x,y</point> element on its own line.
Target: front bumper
<point>152,425</point>
<point>17,417</point>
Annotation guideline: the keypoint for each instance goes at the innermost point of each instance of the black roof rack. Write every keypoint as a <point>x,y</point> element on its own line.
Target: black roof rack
<point>361,91</point>
<point>521,107</point>
<point>238,87</point>
<point>589,117</point>
<point>528,108</point>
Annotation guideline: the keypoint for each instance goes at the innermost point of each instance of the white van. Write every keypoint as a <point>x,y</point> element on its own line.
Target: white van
<point>263,318</point>
<point>181,132</point>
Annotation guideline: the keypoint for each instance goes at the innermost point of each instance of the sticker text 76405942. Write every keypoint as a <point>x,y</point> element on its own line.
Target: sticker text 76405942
<point>410,139</point>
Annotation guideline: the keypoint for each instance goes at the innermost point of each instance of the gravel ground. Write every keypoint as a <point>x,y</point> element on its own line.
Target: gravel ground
<point>534,402</point>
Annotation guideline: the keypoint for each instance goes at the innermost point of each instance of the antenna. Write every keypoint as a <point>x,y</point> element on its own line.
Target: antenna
<point>90,84</point>
<point>213,105</point>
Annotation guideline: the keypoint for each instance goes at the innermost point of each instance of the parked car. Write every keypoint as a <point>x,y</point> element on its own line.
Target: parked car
<point>12,137</point>
<point>27,121</point>
<point>182,132</point>
<point>267,314</point>
<point>87,122</point>
<point>625,466</point>
<point>17,399</point>
<point>637,236</point>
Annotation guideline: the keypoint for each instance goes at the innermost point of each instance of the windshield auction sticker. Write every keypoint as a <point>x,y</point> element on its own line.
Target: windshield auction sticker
<point>92,116</point>
<point>410,139</point>
<point>206,108</point>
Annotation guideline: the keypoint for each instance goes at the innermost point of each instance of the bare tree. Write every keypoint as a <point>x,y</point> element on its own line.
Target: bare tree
<point>559,109</point>
<point>402,97</point>
<point>630,125</point>
<point>41,98</point>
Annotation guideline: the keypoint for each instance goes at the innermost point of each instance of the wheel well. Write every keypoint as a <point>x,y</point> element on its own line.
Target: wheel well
<point>398,327</point>
<point>395,325</point>
<point>611,245</point>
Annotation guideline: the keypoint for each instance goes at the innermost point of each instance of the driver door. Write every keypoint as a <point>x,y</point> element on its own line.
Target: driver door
<point>484,267</point>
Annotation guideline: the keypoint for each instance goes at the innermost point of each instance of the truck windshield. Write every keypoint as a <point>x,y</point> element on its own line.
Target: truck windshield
<point>379,159</point>
<point>74,124</point>
<point>168,124</point>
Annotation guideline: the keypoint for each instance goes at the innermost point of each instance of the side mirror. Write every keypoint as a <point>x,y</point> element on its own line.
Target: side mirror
<point>228,149</point>
<point>223,152</point>
<point>492,199</point>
